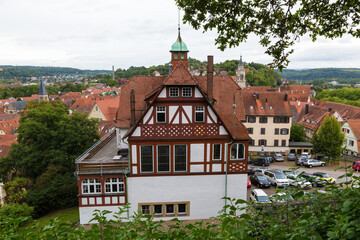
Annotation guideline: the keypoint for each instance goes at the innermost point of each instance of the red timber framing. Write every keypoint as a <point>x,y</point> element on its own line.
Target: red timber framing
<point>210,166</point>
<point>102,198</point>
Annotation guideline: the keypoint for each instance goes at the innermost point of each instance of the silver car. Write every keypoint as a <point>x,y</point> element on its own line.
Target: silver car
<point>277,178</point>
<point>313,163</point>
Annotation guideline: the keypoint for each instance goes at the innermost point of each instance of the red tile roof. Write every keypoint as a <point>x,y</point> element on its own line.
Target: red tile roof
<point>180,76</point>
<point>109,105</point>
<point>346,111</point>
<point>226,94</point>
<point>266,104</point>
<point>314,118</point>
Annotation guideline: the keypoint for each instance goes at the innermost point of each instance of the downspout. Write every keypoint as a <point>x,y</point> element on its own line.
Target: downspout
<point>126,179</point>
<point>226,170</point>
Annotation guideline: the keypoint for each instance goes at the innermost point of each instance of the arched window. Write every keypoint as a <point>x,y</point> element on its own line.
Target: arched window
<point>114,185</point>
<point>91,186</point>
<point>238,151</point>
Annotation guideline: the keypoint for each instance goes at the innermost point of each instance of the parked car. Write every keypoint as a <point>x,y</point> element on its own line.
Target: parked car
<point>259,196</point>
<point>261,161</point>
<point>356,165</point>
<point>315,181</point>
<point>299,182</point>
<point>292,172</point>
<point>281,197</point>
<point>276,178</point>
<point>270,159</point>
<point>291,157</point>
<point>306,155</point>
<point>326,177</point>
<point>259,180</point>
<point>300,161</point>
<point>248,183</point>
<point>278,157</point>
<point>313,163</point>
<point>322,157</point>
<point>257,169</point>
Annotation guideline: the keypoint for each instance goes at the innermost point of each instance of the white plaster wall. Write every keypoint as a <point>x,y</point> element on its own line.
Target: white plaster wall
<point>172,110</point>
<point>212,114</point>
<point>197,153</point>
<point>269,149</point>
<point>86,213</point>
<point>120,132</point>
<point>134,154</point>
<point>223,131</point>
<point>350,136</point>
<point>147,115</point>
<point>188,111</point>
<point>137,132</point>
<point>203,191</point>
<point>198,93</point>
<point>163,93</point>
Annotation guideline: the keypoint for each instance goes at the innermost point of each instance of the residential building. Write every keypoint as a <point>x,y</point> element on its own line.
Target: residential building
<point>268,121</point>
<point>351,128</point>
<point>179,147</point>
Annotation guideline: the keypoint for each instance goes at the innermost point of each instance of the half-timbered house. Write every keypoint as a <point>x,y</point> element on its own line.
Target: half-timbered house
<point>179,147</point>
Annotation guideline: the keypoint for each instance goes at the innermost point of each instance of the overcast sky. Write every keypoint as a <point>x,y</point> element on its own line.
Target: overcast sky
<point>91,34</point>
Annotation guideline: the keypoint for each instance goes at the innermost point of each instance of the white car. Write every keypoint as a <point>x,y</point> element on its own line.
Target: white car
<point>299,182</point>
<point>306,155</point>
<point>277,178</point>
<point>281,197</point>
<point>259,196</point>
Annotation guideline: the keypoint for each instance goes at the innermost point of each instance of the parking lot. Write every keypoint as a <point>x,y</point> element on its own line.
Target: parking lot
<point>286,165</point>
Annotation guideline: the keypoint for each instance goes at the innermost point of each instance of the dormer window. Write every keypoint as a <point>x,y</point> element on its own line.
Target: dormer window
<point>160,114</point>
<point>251,108</point>
<point>262,108</point>
<point>186,92</point>
<point>174,92</point>
<point>307,120</point>
<point>271,108</point>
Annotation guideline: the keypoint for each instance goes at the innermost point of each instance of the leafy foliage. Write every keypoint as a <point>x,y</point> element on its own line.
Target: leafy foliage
<point>16,190</point>
<point>315,215</point>
<point>49,141</point>
<point>27,91</point>
<point>325,74</point>
<point>15,211</point>
<point>279,24</point>
<point>20,72</point>
<point>297,133</point>
<point>350,96</point>
<point>329,139</point>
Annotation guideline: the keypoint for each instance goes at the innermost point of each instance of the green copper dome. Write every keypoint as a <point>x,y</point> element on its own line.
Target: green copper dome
<point>179,45</point>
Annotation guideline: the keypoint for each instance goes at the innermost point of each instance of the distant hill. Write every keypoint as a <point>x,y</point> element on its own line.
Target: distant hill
<point>321,73</point>
<point>257,74</point>
<point>9,72</point>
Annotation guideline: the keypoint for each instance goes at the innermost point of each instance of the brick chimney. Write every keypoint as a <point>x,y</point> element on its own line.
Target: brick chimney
<point>210,78</point>
<point>132,107</point>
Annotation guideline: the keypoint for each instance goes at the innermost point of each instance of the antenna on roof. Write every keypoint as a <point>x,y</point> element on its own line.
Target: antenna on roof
<point>179,21</point>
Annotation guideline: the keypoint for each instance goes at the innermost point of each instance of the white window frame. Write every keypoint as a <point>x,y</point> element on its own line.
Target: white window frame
<point>200,109</point>
<point>91,182</point>
<point>213,152</point>
<point>162,110</point>
<point>109,182</point>
<point>152,157</point>
<point>159,155</point>
<point>185,93</point>
<point>174,93</point>
<point>237,151</point>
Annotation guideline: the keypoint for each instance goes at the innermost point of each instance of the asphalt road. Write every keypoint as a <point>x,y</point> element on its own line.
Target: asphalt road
<point>286,165</point>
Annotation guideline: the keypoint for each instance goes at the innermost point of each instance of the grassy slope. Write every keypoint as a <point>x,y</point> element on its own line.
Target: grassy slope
<point>65,215</point>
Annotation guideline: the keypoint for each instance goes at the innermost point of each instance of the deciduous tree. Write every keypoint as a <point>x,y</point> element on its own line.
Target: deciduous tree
<point>329,139</point>
<point>297,133</point>
<point>279,24</point>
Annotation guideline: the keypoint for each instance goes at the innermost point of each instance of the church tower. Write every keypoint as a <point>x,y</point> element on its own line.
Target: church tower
<point>240,75</point>
<point>42,92</point>
<point>179,52</point>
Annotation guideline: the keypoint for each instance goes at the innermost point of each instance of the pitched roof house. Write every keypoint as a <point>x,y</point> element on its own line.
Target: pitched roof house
<point>179,147</point>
